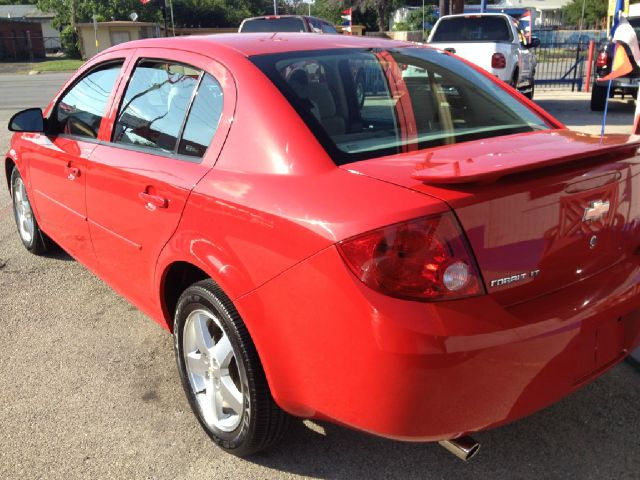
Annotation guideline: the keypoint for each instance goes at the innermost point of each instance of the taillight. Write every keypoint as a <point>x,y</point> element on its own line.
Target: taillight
<point>602,59</point>
<point>426,259</point>
<point>498,61</point>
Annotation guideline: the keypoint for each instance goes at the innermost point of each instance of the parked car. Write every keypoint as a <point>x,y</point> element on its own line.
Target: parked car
<point>442,259</point>
<point>623,86</point>
<point>286,23</point>
<point>493,41</point>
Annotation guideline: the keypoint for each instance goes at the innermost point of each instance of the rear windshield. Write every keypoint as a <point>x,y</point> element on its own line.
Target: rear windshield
<point>287,24</point>
<point>369,103</point>
<point>472,29</point>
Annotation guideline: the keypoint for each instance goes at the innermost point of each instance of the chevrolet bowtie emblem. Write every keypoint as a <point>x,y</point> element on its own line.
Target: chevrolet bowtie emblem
<point>595,211</point>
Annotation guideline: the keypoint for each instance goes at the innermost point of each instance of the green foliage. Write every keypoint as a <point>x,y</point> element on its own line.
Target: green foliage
<point>595,11</point>
<point>69,41</point>
<point>64,65</point>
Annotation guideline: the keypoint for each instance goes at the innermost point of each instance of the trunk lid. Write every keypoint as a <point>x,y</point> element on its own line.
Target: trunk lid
<point>541,210</point>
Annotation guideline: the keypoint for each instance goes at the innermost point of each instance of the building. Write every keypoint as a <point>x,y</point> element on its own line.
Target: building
<point>94,38</point>
<point>30,13</point>
<point>545,13</point>
<point>20,40</point>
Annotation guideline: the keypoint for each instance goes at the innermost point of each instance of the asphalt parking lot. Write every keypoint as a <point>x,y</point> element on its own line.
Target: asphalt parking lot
<point>89,389</point>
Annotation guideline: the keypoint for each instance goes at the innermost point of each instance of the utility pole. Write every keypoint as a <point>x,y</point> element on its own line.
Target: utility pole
<point>457,6</point>
<point>443,6</point>
<point>74,17</point>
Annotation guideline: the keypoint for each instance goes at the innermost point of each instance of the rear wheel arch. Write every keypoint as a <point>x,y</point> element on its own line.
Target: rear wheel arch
<point>177,277</point>
<point>9,165</point>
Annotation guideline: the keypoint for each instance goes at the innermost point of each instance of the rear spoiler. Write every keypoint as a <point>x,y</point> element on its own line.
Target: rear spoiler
<point>491,159</point>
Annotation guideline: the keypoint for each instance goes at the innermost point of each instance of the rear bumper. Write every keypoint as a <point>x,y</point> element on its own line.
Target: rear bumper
<point>334,349</point>
<point>622,82</point>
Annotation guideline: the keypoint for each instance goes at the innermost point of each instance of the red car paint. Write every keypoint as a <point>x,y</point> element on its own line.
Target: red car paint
<point>263,213</point>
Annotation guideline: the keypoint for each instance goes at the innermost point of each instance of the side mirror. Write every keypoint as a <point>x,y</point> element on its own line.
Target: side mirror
<point>535,43</point>
<point>29,120</point>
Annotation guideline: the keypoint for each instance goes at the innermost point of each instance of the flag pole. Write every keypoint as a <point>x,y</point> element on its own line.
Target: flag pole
<point>614,26</point>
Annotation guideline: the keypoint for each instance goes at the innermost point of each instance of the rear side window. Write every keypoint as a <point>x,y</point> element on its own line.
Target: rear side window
<point>80,111</point>
<point>364,104</point>
<point>155,105</point>
<point>203,119</point>
<point>328,28</point>
<point>282,24</point>
<point>472,29</point>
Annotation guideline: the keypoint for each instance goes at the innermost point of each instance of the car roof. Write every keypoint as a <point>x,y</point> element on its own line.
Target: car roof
<point>249,44</point>
<point>473,15</point>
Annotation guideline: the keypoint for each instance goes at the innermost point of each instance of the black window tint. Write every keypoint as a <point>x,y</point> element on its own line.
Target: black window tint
<point>155,105</point>
<point>203,118</point>
<point>81,109</point>
<point>282,24</point>
<point>473,29</point>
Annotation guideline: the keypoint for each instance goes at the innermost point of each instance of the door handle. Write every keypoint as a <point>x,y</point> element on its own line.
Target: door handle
<point>153,200</point>
<point>72,172</point>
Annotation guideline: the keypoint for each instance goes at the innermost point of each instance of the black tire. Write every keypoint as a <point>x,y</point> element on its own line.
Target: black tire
<point>262,422</point>
<point>35,240</point>
<point>598,97</point>
<point>514,79</point>
<point>529,94</point>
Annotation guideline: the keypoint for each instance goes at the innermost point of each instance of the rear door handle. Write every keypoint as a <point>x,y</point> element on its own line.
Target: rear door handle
<point>153,200</point>
<point>72,172</point>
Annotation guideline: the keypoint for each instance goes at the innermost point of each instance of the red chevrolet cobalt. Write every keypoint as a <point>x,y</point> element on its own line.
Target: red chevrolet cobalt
<point>436,258</point>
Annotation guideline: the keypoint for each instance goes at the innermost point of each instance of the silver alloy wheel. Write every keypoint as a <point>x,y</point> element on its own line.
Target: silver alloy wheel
<point>23,212</point>
<point>215,377</point>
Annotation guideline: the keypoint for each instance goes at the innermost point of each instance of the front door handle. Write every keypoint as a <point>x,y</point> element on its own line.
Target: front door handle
<point>153,200</point>
<point>72,172</point>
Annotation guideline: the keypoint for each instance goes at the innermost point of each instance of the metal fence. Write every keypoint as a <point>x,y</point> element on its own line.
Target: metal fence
<point>26,47</point>
<point>563,65</point>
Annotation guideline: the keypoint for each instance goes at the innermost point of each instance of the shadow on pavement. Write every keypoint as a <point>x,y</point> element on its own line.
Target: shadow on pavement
<point>591,434</point>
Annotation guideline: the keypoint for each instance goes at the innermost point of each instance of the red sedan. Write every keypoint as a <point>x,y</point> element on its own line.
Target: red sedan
<point>435,259</point>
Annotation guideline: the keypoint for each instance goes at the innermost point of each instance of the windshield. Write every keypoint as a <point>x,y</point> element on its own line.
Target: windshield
<point>282,24</point>
<point>369,103</point>
<point>472,29</point>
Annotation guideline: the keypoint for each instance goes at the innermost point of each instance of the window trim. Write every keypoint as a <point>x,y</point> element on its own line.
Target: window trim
<point>157,151</point>
<point>122,61</point>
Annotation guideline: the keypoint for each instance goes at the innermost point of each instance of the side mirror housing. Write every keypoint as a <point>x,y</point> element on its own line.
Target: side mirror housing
<point>29,120</point>
<point>535,42</point>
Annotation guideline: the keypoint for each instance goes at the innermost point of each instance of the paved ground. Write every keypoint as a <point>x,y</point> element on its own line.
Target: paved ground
<point>88,389</point>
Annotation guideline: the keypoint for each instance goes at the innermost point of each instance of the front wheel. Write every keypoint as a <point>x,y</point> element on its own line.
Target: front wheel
<point>221,373</point>
<point>32,237</point>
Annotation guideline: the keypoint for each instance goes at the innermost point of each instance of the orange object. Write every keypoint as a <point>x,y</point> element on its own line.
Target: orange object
<point>621,64</point>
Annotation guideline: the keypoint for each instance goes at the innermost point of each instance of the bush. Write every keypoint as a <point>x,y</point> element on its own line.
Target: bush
<point>69,41</point>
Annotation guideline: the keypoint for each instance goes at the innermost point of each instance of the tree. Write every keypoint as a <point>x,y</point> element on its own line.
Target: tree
<point>595,12</point>
<point>413,21</point>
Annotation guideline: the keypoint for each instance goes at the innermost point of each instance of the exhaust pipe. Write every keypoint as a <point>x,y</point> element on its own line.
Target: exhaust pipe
<point>465,448</point>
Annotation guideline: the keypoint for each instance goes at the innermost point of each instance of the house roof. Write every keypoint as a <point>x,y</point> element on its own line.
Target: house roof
<point>23,11</point>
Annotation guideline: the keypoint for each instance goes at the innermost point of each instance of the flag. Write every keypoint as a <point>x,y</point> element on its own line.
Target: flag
<point>621,65</point>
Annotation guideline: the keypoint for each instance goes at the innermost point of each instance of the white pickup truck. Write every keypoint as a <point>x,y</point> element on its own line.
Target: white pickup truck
<point>493,41</point>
